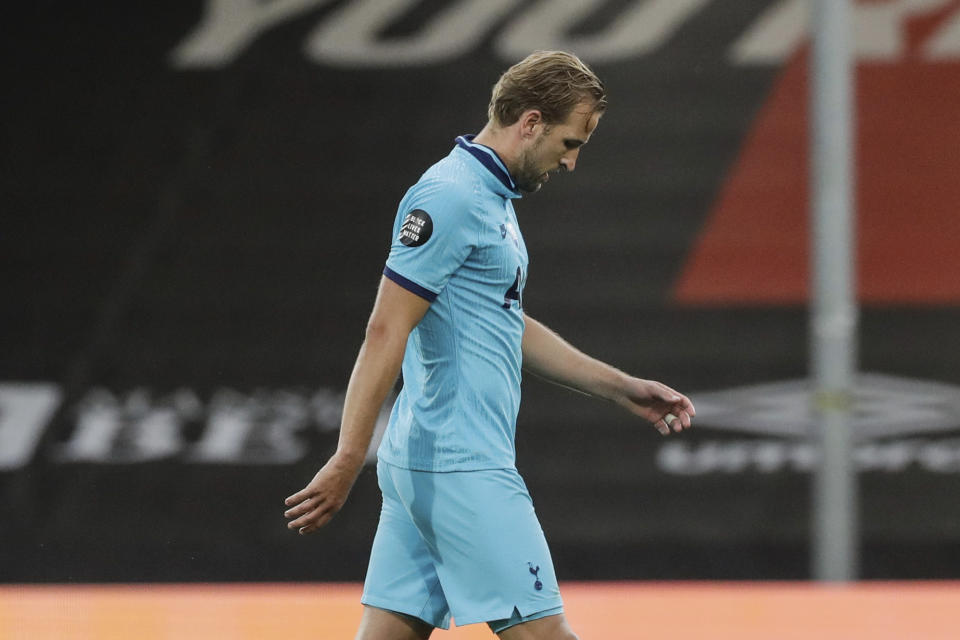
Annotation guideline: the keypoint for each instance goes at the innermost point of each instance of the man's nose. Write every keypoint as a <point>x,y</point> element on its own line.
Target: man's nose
<point>569,160</point>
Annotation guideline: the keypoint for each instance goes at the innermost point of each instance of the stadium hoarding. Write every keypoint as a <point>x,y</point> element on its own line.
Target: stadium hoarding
<point>201,211</point>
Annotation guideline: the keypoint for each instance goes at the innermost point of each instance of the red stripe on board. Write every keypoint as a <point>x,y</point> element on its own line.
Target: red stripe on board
<point>754,246</point>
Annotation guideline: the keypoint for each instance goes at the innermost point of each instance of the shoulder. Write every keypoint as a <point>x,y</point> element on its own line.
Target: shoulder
<point>448,186</point>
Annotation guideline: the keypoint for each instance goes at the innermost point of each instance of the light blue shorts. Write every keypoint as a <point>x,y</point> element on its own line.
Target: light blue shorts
<point>466,543</point>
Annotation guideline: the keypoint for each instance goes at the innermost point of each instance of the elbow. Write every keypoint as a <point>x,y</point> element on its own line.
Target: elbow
<point>376,329</point>
<point>385,342</point>
<point>380,331</point>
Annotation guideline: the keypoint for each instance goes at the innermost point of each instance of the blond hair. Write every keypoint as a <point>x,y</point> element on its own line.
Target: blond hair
<point>554,82</point>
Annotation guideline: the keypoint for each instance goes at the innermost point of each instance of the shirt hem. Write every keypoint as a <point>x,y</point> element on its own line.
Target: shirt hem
<point>415,465</point>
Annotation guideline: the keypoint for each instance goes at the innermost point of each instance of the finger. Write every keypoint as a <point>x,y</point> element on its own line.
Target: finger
<point>686,405</point>
<point>302,508</point>
<point>680,401</point>
<point>668,394</point>
<point>663,426</point>
<point>677,422</point>
<point>298,497</point>
<point>318,519</point>
<point>682,408</point>
<point>310,528</point>
<point>305,519</point>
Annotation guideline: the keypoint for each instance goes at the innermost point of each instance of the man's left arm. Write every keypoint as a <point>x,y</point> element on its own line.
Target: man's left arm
<point>549,356</point>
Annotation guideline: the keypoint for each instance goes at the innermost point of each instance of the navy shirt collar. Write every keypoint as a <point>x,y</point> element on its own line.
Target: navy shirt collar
<point>489,159</point>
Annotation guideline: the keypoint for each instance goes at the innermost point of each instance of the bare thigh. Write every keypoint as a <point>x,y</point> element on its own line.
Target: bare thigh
<point>549,628</point>
<point>380,624</point>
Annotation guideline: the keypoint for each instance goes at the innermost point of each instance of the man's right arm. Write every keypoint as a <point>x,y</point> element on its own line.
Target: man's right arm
<point>395,313</point>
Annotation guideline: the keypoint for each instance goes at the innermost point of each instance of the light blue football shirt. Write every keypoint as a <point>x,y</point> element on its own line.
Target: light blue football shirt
<point>457,244</point>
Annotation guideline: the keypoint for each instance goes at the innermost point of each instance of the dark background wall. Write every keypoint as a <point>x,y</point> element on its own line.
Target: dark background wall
<point>191,244</point>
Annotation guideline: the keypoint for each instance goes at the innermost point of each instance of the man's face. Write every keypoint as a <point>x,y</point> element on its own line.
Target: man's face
<point>555,147</point>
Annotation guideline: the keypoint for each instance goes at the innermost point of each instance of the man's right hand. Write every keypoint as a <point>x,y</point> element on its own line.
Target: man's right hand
<point>315,504</point>
<point>396,312</point>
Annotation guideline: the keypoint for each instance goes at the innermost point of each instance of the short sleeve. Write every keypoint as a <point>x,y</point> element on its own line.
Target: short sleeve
<point>434,232</point>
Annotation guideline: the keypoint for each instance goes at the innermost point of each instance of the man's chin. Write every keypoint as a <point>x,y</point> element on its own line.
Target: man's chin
<point>534,185</point>
<point>530,188</point>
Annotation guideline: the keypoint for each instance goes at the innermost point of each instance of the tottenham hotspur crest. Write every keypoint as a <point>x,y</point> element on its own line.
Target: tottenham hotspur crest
<point>535,570</point>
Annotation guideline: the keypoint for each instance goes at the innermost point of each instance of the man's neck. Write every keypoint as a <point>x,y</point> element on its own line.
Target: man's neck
<point>501,140</point>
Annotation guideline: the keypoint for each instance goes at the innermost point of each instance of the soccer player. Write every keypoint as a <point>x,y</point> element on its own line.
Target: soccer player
<point>458,534</point>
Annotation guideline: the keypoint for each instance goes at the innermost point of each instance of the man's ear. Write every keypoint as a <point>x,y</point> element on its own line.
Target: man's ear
<point>529,121</point>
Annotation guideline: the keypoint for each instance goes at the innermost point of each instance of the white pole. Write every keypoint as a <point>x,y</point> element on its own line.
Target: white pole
<point>833,304</point>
